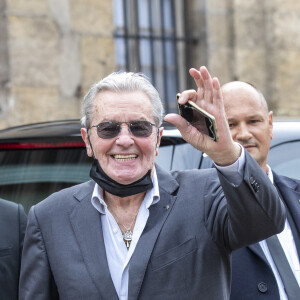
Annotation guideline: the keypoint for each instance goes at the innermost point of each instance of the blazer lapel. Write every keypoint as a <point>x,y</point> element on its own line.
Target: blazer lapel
<point>289,191</point>
<point>256,248</point>
<point>86,223</point>
<point>158,214</point>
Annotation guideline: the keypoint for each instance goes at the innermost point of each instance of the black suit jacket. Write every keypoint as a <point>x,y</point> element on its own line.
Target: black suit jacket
<point>12,230</point>
<point>252,276</point>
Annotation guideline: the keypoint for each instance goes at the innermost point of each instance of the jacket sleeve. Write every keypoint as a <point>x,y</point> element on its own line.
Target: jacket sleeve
<point>254,209</point>
<point>36,280</point>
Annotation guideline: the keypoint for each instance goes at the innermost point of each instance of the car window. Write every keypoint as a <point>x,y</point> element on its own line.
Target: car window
<point>178,157</point>
<point>165,157</point>
<point>206,162</point>
<point>30,175</point>
<point>182,157</point>
<point>285,159</point>
<point>186,157</point>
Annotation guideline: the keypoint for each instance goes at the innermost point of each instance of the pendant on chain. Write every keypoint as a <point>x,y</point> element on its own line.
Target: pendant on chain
<point>127,237</point>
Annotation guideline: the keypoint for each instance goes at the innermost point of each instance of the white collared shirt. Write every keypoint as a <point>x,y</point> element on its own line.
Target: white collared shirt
<point>118,257</point>
<point>288,244</point>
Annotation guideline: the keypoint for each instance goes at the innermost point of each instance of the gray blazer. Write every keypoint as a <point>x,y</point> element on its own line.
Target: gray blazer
<point>183,252</point>
<point>12,230</point>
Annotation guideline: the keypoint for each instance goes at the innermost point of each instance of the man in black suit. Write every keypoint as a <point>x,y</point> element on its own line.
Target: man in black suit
<point>12,230</point>
<point>255,274</point>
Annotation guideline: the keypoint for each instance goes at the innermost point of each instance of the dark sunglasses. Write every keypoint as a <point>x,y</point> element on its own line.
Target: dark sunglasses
<point>111,129</point>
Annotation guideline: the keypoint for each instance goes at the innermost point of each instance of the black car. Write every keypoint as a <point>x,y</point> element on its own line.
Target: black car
<point>39,159</point>
<point>283,157</point>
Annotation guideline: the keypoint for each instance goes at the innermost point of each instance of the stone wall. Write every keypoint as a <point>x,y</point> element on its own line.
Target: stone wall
<point>258,41</point>
<point>51,52</point>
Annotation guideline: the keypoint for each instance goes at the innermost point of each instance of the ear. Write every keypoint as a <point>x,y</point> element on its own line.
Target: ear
<point>160,132</point>
<point>84,135</point>
<point>271,124</point>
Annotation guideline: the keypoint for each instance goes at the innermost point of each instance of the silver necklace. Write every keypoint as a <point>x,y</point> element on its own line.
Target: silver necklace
<point>127,234</point>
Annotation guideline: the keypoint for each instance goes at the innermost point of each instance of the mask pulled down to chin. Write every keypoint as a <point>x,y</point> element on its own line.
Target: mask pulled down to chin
<point>113,187</point>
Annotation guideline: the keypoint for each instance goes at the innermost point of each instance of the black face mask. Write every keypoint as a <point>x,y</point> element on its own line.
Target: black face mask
<point>117,189</point>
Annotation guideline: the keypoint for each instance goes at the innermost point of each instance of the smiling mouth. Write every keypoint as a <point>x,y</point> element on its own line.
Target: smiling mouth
<point>128,157</point>
<point>249,146</point>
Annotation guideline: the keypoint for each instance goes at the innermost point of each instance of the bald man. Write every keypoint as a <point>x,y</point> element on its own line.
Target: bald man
<point>254,273</point>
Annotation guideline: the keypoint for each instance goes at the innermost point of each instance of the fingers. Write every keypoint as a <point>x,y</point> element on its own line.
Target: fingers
<point>207,82</point>
<point>188,132</point>
<point>197,77</point>
<point>208,88</point>
<point>198,80</point>
<point>177,121</point>
<point>203,81</point>
<point>217,95</point>
<point>187,95</point>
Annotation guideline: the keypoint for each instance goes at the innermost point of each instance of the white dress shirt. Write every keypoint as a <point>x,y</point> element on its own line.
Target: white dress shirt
<point>118,257</point>
<point>288,244</point>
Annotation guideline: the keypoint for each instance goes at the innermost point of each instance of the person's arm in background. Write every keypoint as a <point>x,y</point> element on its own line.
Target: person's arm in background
<point>40,282</point>
<point>12,230</point>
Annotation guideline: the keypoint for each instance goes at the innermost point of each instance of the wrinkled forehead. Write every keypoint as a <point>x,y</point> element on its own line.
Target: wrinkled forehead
<point>111,105</point>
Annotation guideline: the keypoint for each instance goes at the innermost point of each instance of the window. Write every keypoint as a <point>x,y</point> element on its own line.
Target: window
<point>150,37</point>
<point>284,159</point>
<point>28,176</point>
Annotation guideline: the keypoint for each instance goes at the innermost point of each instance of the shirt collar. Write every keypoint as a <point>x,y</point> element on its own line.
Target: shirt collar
<point>270,174</point>
<point>152,196</point>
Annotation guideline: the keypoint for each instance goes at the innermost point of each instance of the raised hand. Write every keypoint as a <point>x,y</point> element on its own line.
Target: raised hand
<point>209,97</point>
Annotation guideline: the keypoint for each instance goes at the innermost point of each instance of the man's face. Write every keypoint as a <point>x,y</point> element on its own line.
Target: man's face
<point>249,121</point>
<point>125,158</point>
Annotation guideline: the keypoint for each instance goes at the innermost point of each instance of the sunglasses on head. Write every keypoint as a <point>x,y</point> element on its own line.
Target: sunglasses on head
<point>111,129</point>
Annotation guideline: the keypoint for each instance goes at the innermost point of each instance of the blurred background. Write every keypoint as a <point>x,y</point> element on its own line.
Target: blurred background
<point>52,51</point>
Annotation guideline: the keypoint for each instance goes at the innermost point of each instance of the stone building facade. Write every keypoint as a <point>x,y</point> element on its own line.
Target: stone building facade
<point>51,51</point>
<point>258,41</point>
